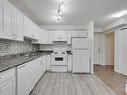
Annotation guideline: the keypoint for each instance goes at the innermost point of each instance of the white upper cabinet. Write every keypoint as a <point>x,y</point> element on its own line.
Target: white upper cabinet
<point>7,19</point>
<point>30,29</point>
<point>1,17</point>
<point>18,25</point>
<point>27,27</point>
<point>11,21</point>
<point>81,33</point>
<point>36,31</point>
<point>59,36</point>
<point>45,37</point>
<point>50,37</point>
<point>69,35</point>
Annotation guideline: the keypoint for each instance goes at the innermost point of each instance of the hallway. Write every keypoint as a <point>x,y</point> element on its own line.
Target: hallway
<point>114,80</point>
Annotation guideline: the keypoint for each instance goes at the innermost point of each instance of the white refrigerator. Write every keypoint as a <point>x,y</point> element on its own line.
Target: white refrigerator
<point>81,55</point>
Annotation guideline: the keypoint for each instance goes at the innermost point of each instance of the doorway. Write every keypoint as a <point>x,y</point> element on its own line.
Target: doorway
<point>109,49</point>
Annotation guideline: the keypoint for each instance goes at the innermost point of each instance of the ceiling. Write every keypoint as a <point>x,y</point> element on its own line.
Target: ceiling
<point>76,12</point>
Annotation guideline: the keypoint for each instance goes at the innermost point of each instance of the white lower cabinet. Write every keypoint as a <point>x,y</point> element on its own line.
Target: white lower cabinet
<point>28,75</point>
<point>7,82</point>
<point>25,78</point>
<point>69,61</point>
<point>48,62</point>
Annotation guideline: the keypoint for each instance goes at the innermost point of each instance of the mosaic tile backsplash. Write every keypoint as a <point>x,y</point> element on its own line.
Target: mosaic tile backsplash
<point>8,47</point>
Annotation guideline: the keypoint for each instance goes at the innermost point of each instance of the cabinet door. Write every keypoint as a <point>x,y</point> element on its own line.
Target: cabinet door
<point>7,19</point>
<point>43,64</point>
<point>14,24</point>
<point>50,37</point>
<point>27,27</point>
<point>1,17</point>
<point>69,35</point>
<point>25,78</point>
<point>19,25</point>
<point>80,33</point>
<point>37,64</point>
<point>44,36</point>
<point>8,87</point>
<point>48,62</point>
<point>59,36</point>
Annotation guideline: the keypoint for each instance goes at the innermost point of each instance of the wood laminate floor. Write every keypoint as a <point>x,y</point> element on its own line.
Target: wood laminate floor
<point>71,84</point>
<point>114,80</point>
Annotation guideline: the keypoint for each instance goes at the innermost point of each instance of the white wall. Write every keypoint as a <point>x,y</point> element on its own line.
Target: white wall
<point>90,28</point>
<point>121,51</point>
<point>120,61</point>
<point>109,48</point>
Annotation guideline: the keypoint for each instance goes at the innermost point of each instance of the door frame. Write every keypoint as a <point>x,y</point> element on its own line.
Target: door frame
<point>104,45</point>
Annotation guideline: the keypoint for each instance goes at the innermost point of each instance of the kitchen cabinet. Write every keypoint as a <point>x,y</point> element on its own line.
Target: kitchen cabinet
<point>11,21</point>
<point>36,31</point>
<point>14,25</point>
<point>28,75</point>
<point>27,27</point>
<point>69,61</point>
<point>59,36</point>
<point>79,34</point>
<point>7,19</point>
<point>48,62</point>
<point>50,37</point>
<point>7,82</point>
<point>45,37</point>
<point>40,67</point>
<point>1,7</point>
<point>25,78</point>
<point>69,35</point>
<point>18,27</point>
<point>30,29</point>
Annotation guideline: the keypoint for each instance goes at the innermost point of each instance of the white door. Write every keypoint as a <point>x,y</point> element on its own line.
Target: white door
<point>80,43</point>
<point>81,61</point>
<point>8,87</point>
<point>98,48</point>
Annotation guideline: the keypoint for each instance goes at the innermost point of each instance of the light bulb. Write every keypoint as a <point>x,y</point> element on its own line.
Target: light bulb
<point>59,12</point>
<point>58,18</point>
<point>62,7</point>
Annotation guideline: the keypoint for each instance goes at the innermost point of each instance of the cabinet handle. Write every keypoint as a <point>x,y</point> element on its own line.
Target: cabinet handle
<point>22,66</point>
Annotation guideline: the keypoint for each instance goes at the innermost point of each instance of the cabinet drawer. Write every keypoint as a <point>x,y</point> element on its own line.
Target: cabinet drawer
<point>7,74</point>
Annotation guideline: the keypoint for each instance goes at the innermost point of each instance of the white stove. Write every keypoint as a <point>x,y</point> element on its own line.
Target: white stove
<point>59,61</point>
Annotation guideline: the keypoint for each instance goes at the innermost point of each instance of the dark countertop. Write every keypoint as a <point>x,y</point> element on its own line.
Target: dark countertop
<point>11,62</point>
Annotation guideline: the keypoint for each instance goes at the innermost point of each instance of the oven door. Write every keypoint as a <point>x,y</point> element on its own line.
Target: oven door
<point>59,60</point>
